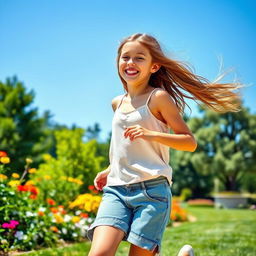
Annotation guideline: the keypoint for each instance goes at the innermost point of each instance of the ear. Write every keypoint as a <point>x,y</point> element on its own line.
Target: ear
<point>155,67</point>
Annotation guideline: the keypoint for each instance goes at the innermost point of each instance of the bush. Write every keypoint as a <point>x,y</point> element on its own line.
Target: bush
<point>185,194</point>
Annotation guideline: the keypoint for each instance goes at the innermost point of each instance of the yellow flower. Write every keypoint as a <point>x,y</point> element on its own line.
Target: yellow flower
<point>30,182</point>
<point>47,177</point>
<point>29,160</point>
<point>3,177</point>
<point>79,182</point>
<point>75,219</point>
<point>58,218</point>
<point>14,183</point>
<point>88,202</point>
<point>70,179</point>
<point>5,160</point>
<point>15,175</point>
<point>47,157</point>
<point>32,170</point>
<point>63,178</point>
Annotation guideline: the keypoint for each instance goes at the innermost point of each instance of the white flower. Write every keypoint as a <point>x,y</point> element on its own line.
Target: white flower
<point>64,231</point>
<point>90,220</point>
<point>82,221</point>
<point>25,237</point>
<point>67,218</point>
<point>77,212</point>
<point>19,235</point>
<point>4,241</point>
<point>29,214</point>
<point>42,209</point>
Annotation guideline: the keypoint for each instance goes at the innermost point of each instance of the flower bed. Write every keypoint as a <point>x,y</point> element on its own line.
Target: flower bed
<point>27,220</point>
<point>200,202</point>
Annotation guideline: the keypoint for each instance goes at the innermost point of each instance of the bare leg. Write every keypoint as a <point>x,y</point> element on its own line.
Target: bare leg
<point>135,251</point>
<point>106,240</point>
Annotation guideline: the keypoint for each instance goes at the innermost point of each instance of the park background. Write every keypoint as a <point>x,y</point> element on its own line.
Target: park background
<point>58,76</point>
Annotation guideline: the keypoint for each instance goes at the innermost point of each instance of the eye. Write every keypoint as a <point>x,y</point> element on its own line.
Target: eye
<point>125,57</point>
<point>139,58</point>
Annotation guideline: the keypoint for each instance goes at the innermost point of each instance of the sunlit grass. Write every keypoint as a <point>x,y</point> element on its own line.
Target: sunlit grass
<point>216,232</point>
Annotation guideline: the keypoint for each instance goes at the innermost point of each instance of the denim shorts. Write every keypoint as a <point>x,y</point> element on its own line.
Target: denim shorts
<point>141,210</point>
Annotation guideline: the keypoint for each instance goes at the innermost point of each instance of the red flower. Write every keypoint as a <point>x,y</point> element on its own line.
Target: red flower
<point>50,201</point>
<point>3,154</point>
<point>22,188</point>
<point>91,187</point>
<point>31,188</point>
<point>84,215</point>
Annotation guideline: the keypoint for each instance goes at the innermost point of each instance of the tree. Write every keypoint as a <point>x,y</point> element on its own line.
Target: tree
<point>22,132</point>
<point>226,146</point>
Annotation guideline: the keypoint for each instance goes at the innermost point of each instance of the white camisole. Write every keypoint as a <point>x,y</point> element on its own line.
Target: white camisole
<point>137,160</point>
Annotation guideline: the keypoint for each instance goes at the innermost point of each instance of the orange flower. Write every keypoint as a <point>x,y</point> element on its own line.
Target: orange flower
<point>32,196</point>
<point>40,213</point>
<point>3,177</point>
<point>32,170</point>
<point>58,218</point>
<point>54,229</point>
<point>50,201</point>
<point>54,210</point>
<point>15,175</point>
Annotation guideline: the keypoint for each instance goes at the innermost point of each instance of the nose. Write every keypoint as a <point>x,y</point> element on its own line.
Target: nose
<point>130,61</point>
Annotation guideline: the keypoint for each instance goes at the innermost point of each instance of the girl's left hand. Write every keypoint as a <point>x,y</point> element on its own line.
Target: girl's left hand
<point>137,131</point>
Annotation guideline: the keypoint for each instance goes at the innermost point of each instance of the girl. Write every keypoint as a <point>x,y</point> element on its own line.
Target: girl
<point>136,199</point>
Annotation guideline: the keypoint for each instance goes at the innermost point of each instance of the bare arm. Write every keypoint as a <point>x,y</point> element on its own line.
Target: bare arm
<point>182,139</point>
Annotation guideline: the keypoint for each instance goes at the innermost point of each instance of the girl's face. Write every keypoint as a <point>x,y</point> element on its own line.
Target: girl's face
<point>135,63</point>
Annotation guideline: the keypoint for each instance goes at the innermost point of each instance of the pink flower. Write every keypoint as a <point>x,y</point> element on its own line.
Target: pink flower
<point>5,225</point>
<point>14,222</point>
<point>11,225</point>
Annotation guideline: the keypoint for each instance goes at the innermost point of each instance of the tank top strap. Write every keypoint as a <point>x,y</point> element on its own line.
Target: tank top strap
<point>149,97</point>
<point>119,104</point>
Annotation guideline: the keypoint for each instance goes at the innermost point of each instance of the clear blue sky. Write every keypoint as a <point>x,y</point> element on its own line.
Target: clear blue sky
<point>65,50</point>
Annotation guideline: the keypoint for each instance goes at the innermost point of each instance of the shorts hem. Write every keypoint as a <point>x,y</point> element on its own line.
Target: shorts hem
<point>106,221</point>
<point>143,242</point>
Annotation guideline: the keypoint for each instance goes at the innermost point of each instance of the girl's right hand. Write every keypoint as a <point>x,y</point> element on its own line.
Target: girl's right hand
<point>101,179</point>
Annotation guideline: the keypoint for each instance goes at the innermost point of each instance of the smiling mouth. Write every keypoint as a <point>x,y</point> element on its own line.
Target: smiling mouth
<point>131,72</point>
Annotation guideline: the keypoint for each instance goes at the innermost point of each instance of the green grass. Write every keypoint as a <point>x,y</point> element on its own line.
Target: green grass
<point>216,232</point>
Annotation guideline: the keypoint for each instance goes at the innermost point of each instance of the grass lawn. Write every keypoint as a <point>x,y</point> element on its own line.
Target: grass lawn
<point>216,232</point>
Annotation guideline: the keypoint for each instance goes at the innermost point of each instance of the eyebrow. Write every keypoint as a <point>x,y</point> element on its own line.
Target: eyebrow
<point>142,53</point>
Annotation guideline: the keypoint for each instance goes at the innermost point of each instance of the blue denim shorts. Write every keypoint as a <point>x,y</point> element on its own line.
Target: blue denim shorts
<point>141,210</point>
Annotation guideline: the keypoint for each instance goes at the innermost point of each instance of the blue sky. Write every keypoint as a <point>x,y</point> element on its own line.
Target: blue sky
<point>65,50</point>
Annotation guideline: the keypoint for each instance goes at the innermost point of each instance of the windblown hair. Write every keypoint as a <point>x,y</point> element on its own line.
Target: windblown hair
<point>176,76</point>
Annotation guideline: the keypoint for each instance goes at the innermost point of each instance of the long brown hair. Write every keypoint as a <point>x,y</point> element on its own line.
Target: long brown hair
<point>176,76</point>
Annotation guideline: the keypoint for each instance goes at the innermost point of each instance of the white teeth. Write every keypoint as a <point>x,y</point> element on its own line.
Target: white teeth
<point>131,72</point>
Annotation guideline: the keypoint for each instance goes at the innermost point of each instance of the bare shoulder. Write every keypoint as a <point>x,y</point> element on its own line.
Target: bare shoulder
<point>162,99</point>
<point>116,101</point>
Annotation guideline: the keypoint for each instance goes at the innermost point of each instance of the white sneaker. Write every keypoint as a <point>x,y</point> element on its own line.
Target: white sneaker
<point>186,250</point>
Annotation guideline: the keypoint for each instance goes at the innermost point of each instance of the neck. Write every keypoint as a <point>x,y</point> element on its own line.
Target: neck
<point>134,91</point>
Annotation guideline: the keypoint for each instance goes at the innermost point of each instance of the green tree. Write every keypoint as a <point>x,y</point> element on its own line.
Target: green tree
<point>226,146</point>
<point>22,132</point>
